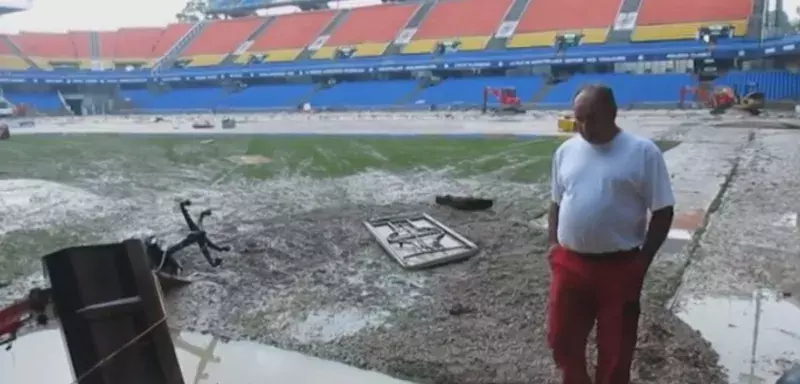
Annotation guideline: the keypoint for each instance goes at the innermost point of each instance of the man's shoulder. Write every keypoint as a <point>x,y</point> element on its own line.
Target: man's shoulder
<point>647,145</point>
<point>569,143</point>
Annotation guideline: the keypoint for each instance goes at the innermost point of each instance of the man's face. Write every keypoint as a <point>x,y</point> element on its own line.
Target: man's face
<point>587,117</point>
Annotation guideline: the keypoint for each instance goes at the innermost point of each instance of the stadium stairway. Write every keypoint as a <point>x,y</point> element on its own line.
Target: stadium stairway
<point>11,58</point>
<point>309,50</point>
<point>287,36</point>
<point>168,59</point>
<point>233,58</point>
<point>509,24</point>
<point>402,38</point>
<point>471,23</point>
<point>368,30</point>
<point>94,48</point>
<point>661,20</point>
<point>625,22</point>
<point>219,39</point>
<point>544,19</point>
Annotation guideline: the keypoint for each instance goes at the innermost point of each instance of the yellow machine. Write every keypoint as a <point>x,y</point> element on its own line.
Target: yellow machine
<point>566,124</point>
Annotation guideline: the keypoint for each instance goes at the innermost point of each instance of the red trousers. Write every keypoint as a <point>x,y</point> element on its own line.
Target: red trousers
<point>585,289</point>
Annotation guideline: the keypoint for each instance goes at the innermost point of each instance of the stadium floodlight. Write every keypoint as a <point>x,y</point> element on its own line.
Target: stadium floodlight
<point>567,40</point>
<point>447,46</point>
<point>710,34</point>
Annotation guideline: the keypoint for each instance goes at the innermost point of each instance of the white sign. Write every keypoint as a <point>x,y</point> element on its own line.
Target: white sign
<point>405,36</point>
<point>506,29</point>
<point>626,21</point>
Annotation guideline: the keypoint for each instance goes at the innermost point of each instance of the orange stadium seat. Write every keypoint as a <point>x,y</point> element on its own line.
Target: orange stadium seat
<point>287,36</point>
<point>370,30</point>
<point>52,50</point>
<point>544,19</point>
<point>9,58</point>
<point>218,39</point>
<point>680,19</point>
<point>138,47</point>
<point>471,22</point>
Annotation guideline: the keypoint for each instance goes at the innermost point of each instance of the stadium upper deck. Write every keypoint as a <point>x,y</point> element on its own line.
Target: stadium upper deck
<point>415,28</point>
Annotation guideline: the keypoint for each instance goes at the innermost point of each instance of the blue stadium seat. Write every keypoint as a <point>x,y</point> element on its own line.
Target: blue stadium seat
<point>776,85</point>
<point>469,91</point>
<point>176,100</point>
<point>628,88</point>
<point>43,102</point>
<point>364,94</point>
<point>267,97</point>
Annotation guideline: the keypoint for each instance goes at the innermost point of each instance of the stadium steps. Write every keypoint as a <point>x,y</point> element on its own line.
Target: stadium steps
<point>10,44</point>
<point>94,46</point>
<point>756,22</point>
<point>232,57</point>
<point>616,35</point>
<point>413,23</point>
<point>168,59</point>
<point>411,97</point>
<point>540,93</point>
<point>324,35</point>
<point>504,30</point>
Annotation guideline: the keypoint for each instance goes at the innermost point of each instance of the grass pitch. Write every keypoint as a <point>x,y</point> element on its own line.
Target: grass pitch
<point>147,172</point>
<point>119,185</point>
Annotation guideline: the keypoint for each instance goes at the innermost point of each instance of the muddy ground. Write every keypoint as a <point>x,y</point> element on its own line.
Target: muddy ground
<point>313,280</point>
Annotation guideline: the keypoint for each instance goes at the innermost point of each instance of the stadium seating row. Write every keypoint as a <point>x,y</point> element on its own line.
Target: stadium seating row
<point>414,28</point>
<point>661,89</point>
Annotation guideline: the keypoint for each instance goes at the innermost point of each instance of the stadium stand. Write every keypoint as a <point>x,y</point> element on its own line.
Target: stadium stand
<point>368,31</point>
<point>364,94</point>
<point>544,19</point>
<point>470,90</point>
<point>469,22</point>
<point>218,39</point>
<point>137,47</point>
<point>43,102</point>
<point>680,19</point>
<point>9,60</point>
<point>286,37</point>
<point>55,50</point>
<point>263,97</point>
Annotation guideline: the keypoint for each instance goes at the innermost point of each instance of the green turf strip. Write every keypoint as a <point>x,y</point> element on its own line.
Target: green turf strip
<point>66,157</point>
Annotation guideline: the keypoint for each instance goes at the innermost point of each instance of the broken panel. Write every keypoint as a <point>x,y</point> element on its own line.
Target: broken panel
<point>419,241</point>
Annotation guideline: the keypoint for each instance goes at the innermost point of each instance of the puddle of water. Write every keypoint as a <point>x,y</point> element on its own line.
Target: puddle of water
<point>757,337</point>
<point>203,359</point>
<point>327,326</point>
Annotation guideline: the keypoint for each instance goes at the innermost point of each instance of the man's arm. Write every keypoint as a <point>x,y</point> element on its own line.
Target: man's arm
<point>552,225</point>
<point>660,199</point>
<point>556,192</point>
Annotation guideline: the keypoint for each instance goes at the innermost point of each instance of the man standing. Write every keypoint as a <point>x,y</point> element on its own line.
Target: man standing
<point>604,182</point>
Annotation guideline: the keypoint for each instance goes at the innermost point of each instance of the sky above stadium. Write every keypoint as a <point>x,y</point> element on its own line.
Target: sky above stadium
<point>64,15</point>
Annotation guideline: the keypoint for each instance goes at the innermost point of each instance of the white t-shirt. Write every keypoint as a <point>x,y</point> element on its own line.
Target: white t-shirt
<point>604,192</point>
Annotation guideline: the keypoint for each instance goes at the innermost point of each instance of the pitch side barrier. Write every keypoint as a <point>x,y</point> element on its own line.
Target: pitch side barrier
<point>618,53</point>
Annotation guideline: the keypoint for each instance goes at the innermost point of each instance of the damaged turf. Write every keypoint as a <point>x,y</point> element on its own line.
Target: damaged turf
<point>338,296</point>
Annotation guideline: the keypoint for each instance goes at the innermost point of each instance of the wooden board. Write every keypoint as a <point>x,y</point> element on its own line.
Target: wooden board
<point>419,241</point>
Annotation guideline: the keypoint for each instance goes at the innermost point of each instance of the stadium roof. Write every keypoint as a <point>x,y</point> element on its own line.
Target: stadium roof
<point>11,6</point>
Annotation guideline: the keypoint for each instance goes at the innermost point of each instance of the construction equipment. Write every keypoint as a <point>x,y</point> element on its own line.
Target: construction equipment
<point>719,99</point>
<point>566,124</point>
<point>506,97</point>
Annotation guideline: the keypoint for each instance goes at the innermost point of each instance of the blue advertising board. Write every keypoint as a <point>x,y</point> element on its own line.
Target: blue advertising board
<point>608,53</point>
